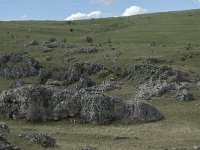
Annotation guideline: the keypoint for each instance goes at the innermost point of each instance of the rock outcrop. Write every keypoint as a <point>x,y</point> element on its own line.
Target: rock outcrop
<point>40,139</point>
<point>41,103</point>
<point>31,43</point>
<point>161,80</point>
<point>6,145</point>
<point>52,44</point>
<point>88,50</point>
<point>18,65</point>
<point>69,75</point>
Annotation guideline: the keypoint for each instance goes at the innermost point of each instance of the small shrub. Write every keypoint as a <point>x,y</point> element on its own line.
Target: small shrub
<point>64,40</point>
<point>89,39</point>
<point>53,39</point>
<point>71,30</point>
<point>12,36</point>
<point>183,59</point>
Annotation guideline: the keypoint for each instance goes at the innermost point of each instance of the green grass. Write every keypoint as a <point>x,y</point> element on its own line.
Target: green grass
<point>131,37</point>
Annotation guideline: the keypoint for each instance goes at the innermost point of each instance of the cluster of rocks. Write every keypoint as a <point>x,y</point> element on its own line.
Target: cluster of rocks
<point>18,65</point>
<point>88,50</point>
<point>40,139</point>
<point>106,86</point>
<point>18,83</point>
<point>4,128</point>
<point>69,75</point>
<point>52,44</point>
<point>41,103</point>
<point>31,43</point>
<point>164,79</point>
<point>6,145</point>
<point>153,60</point>
<point>88,148</point>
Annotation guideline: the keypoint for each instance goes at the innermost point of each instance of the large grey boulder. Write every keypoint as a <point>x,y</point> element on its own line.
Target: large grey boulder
<point>18,65</point>
<point>41,103</point>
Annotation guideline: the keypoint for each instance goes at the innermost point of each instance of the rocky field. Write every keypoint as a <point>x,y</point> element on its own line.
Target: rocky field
<point>105,84</point>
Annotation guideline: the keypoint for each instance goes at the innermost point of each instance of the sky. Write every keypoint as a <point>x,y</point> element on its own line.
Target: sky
<point>86,9</point>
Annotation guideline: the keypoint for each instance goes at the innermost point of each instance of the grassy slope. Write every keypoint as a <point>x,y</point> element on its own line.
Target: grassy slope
<point>131,37</point>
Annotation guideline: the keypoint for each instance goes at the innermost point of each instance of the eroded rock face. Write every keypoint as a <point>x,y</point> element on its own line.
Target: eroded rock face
<point>41,103</point>
<point>163,80</point>
<point>18,65</point>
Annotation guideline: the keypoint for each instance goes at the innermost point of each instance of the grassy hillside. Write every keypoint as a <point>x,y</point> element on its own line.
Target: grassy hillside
<point>122,41</point>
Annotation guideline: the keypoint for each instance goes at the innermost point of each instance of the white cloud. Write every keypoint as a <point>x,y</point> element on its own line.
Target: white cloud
<point>134,10</point>
<point>81,16</point>
<point>24,17</point>
<point>104,2</point>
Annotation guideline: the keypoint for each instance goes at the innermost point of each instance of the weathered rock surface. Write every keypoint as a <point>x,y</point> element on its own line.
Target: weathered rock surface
<point>85,82</point>
<point>41,139</point>
<point>52,44</point>
<point>6,145</point>
<point>153,60</point>
<point>106,86</point>
<point>18,65</point>
<point>41,103</point>
<point>89,148</point>
<point>69,75</point>
<point>76,71</point>
<point>161,80</point>
<point>31,43</point>
<point>4,128</point>
<point>18,83</point>
<point>88,50</point>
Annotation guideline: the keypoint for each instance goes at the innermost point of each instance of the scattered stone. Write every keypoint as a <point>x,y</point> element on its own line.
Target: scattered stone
<point>43,76</point>
<point>18,65</point>
<point>198,85</point>
<point>85,82</point>
<point>106,86</point>
<point>71,45</point>
<point>121,138</point>
<point>88,148</point>
<point>52,44</point>
<point>31,43</point>
<point>53,82</point>
<point>49,58</point>
<point>18,83</point>
<point>6,145</point>
<point>184,95</point>
<point>88,50</point>
<point>154,61</point>
<point>4,128</point>
<point>40,139</point>
<point>196,147</point>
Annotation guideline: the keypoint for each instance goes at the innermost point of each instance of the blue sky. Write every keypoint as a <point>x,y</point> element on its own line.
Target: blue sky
<point>83,9</point>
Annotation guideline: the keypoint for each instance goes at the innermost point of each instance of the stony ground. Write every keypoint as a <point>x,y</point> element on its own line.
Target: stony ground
<point>95,84</point>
